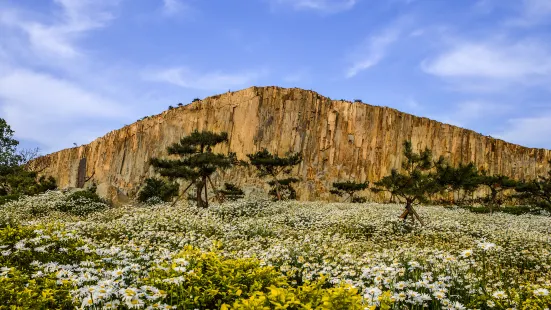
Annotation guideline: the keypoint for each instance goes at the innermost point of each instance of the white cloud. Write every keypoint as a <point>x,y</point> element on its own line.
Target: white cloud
<point>328,6</point>
<point>533,12</point>
<point>490,66</point>
<point>489,60</point>
<point>58,37</point>
<point>49,110</point>
<point>184,77</point>
<point>373,51</point>
<point>172,7</point>
<point>528,131</point>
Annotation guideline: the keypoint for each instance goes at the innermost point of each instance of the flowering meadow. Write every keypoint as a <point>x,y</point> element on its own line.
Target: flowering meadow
<point>257,254</point>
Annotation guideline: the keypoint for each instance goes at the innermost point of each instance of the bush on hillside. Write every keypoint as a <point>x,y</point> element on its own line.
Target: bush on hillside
<point>156,191</point>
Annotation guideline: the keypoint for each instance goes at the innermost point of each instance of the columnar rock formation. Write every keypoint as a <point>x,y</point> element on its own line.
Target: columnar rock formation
<point>340,141</point>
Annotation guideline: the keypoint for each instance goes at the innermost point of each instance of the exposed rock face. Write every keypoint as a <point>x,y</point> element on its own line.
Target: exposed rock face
<point>339,140</point>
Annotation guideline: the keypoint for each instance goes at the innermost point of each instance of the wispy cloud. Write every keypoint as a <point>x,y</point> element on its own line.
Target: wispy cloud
<point>481,65</point>
<point>373,50</point>
<point>58,37</point>
<point>533,12</point>
<point>328,6</point>
<point>37,51</point>
<point>173,7</point>
<point>39,105</point>
<point>215,81</point>
<point>528,131</point>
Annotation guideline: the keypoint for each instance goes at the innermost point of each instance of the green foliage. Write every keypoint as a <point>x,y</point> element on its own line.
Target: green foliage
<point>8,145</point>
<point>197,161</point>
<point>196,99</point>
<point>83,202</point>
<point>211,281</point>
<point>497,185</point>
<point>284,188</point>
<point>161,189</point>
<point>311,295</point>
<point>415,183</point>
<point>16,181</point>
<point>536,192</point>
<point>232,192</point>
<point>272,165</point>
<point>462,180</point>
<point>349,188</point>
<point>20,287</point>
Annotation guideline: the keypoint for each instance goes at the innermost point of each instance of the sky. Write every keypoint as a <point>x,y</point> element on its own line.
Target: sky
<point>73,70</point>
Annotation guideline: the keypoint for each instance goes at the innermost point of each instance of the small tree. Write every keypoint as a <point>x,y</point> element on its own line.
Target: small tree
<point>414,183</point>
<point>273,166</point>
<point>15,178</point>
<point>232,192</point>
<point>497,184</point>
<point>8,146</point>
<point>349,188</point>
<point>162,189</point>
<point>462,180</point>
<point>536,192</point>
<point>197,162</point>
<point>285,187</point>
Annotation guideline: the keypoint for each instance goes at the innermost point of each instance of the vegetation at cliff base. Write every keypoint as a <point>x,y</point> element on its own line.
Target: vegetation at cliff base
<point>348,189</point>
<point>16,179</point>
<point>268,164</point>
<point>197,162</point>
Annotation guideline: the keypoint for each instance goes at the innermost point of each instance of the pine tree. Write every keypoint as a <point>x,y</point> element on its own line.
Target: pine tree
<point>414,183</point>
<point>273,166</point>
<point>8,146</point>
<point>232,192</point>
<point>285,188</point>
<point>462,180</point>
<point>349,188</point>
<point>497,184</point>
<point>158,188</point>
<point>537,192</point>
<point>197,162</point>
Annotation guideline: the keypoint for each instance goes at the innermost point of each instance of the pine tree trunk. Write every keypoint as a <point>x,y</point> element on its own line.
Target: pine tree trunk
<point>277,188</point>
<point>206,195</point>
<point>198,194</point>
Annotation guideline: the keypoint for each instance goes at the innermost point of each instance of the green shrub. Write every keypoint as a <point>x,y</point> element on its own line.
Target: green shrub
<point>308,296</point>
<point>83,202</point>
<point>211,281</point>
<point>232,192</point>
<point>28,246</point>
<point>8,198</point>
<point>161,189</point>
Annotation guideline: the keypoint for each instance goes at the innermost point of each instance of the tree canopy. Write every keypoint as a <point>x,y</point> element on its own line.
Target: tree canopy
<point>197,162</point>
<point>8,146</point>
<point>414,183</point>
<point>272,165</point>
<point>349,188</point>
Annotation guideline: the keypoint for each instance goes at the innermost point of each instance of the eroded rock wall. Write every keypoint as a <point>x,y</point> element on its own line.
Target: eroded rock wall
<point>340,141</point>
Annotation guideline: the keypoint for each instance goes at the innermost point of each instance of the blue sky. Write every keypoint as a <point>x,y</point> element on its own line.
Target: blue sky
<point>73,70</point>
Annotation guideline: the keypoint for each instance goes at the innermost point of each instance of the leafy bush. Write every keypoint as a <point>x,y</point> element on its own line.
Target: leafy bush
<point>163,190</point>
<point>232,192</point>
<point>308,296</point>
<point>204,280</point>
<point>22,286</point>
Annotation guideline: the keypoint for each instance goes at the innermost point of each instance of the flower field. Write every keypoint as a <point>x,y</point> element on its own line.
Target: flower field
<point>265,255</point>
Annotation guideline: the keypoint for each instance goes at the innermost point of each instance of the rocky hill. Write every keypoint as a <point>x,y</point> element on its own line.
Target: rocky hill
<point>340,140</point>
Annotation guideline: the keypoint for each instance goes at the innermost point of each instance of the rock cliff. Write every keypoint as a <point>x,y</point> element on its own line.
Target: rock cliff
<point>340,141</point>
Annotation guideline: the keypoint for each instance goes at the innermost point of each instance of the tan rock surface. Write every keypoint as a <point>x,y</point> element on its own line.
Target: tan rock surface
<point>340,141</point>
